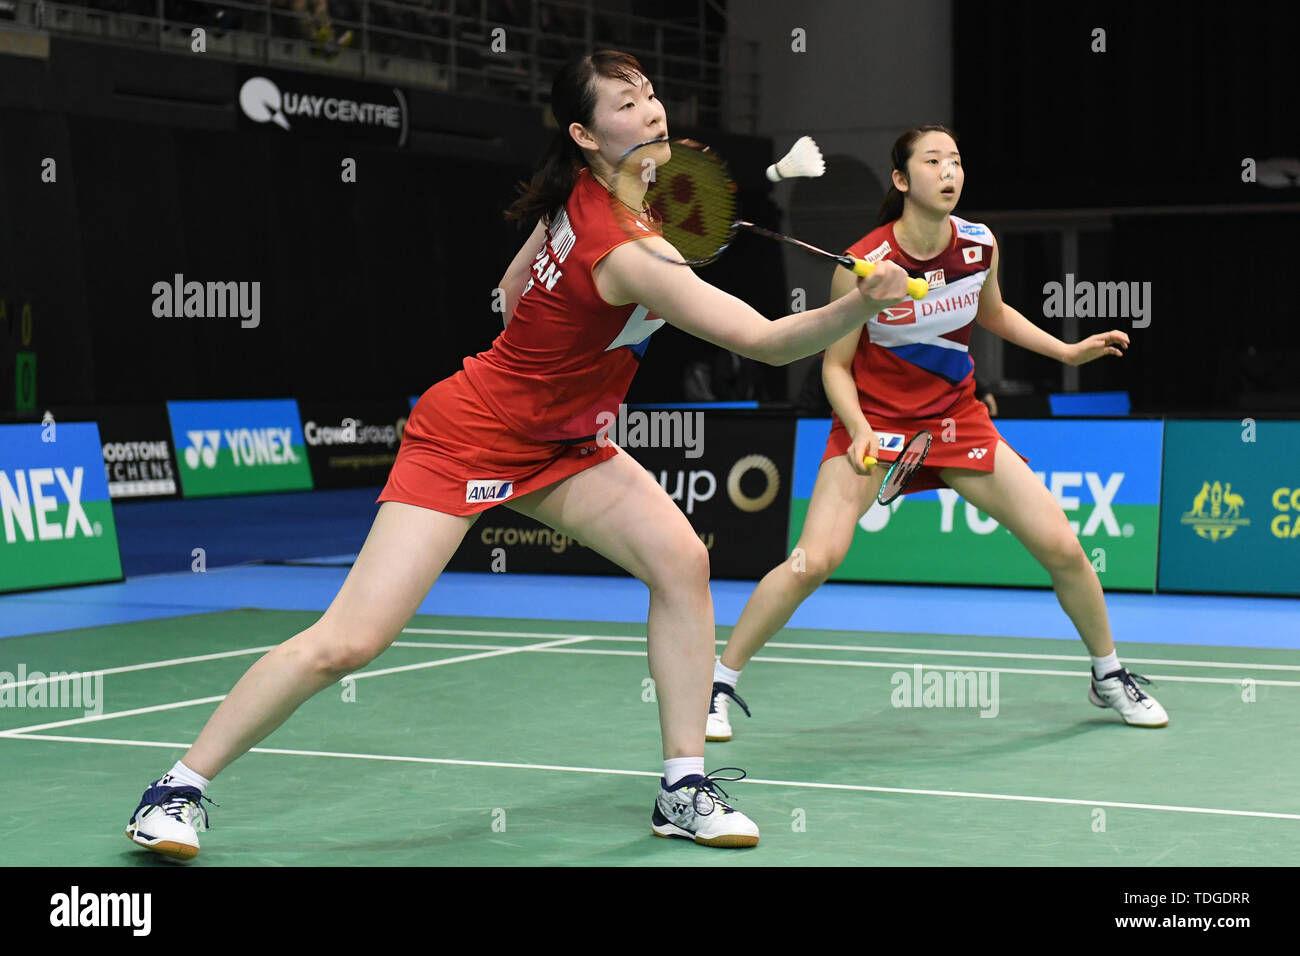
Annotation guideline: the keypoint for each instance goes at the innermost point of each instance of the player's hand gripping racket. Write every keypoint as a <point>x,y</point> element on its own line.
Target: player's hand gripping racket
<point>690,195</point>
<point>905,466</point>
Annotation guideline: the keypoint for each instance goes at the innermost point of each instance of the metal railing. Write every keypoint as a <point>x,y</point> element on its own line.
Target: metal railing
<point>503,49</point>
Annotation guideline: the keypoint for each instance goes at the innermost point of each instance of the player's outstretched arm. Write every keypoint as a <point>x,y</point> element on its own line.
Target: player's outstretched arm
<point>1001,319</point>
<point>675,292</point>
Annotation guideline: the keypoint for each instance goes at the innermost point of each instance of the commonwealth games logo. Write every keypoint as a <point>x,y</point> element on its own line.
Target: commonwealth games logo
<point>1224,514</point>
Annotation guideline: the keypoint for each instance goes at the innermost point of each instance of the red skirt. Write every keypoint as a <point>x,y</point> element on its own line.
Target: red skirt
<point>964,437</point>
<point>458,458</point>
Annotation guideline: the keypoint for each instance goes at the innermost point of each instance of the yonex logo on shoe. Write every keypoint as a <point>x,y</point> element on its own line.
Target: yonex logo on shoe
<point>75,909</point>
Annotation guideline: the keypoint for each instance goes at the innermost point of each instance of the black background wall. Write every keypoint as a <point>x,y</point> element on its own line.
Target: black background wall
<point>368,289</point>
<point>1164,117</point>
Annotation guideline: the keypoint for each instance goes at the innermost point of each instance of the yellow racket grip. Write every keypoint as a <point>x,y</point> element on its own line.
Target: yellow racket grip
<point>916,288</point>
<point>868,462</point>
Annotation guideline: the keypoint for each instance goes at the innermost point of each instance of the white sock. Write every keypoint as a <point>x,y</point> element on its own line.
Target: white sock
<point>183,776</point>
<point>675,768</point>
<point>724,674</point>
<point>1101,666</point>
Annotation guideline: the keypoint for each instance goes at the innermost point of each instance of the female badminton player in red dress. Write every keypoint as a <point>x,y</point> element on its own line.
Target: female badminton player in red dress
<point>912,370</point>
<point>517,426</point>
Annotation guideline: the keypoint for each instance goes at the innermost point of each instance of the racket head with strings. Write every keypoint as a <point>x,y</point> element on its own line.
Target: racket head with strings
<point>905,467</point>
<point>690,195</point>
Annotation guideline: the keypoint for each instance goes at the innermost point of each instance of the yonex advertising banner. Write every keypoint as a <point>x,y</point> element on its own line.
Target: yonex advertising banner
<point>238,448</point>
<point>1231,518</point>
<point>56,516</point>
<point>1104,474</point>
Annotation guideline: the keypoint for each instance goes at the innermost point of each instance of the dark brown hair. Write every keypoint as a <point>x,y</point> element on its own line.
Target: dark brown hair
<point>573,100</point>
<point>892,207</point>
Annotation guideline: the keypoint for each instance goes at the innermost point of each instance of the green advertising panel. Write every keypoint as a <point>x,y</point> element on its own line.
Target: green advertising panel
<point>56,519</point>
<point>1104,474</point>
<point>240,447</point>
<point>1231,518</point>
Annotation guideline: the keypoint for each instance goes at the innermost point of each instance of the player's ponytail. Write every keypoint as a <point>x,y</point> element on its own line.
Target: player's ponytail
<point>892,206</point>
<point>573,100</point>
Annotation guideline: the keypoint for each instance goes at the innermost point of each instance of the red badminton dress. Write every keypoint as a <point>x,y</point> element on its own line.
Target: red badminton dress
<point>913,367</point>
<point>525,413</point>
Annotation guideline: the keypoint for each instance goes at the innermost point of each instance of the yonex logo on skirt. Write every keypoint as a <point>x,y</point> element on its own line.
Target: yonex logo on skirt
<point>488,490</point>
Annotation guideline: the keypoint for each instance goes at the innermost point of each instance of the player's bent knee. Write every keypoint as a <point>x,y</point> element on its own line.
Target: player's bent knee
<point>1063,552</point>
<point>682,562</point>
<point>812,566</point>
<point>332,653</point>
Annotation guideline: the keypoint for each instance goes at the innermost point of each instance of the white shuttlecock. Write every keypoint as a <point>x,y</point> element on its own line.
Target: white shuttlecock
<point>804,159</point>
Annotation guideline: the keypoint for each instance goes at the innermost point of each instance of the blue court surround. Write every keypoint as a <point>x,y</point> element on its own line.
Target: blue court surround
<point>157,540</point>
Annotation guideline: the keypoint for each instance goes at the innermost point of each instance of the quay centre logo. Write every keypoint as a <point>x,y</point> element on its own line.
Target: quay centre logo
<point>262,101</point>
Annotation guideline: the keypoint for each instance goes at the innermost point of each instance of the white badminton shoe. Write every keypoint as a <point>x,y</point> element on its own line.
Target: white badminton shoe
<point>719,725</point>
<point>694,810</point>
<point>1119,689</point>
<point>168,819</point>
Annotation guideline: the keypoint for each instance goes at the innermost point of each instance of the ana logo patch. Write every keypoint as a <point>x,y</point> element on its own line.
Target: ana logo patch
<point>889,441</point>
<point>488,490</point>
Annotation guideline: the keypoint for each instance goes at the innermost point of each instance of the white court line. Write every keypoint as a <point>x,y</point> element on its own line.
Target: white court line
<point>882,650</point>
<point>173,662</point>
<point>557,647</point>
<point>896,665</point>
<point>552,648</point>
<point>92,718</point>
<point>796,784</point>
<point>152,664</point>
<point>18,731</point>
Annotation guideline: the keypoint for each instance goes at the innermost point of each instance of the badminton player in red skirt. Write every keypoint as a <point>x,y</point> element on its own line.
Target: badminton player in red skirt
<point>912,370</point>
<point>518,426</point>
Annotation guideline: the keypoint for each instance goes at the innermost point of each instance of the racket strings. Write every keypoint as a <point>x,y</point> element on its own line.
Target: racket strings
<point>691,200</point>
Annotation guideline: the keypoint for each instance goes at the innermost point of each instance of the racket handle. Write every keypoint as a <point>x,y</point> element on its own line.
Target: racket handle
<point>916,288</point>
<point>868,462</point>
